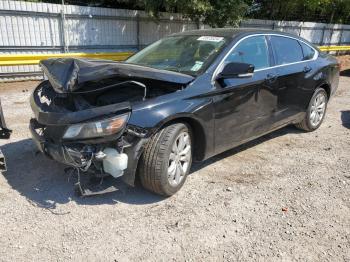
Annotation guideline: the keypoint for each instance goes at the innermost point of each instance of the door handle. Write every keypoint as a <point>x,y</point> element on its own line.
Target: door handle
<point>271,78</point>
<point>307,69</point>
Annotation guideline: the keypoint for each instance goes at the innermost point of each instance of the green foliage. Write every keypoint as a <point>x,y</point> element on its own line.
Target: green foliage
<point>328,11</point>
<point>219,13</point>
<point>216,13</point>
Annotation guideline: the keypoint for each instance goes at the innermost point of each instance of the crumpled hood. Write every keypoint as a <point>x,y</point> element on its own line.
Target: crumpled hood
<point>68,75</point>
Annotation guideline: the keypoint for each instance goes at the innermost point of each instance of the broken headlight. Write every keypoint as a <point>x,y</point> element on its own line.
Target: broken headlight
<point>100,128</point>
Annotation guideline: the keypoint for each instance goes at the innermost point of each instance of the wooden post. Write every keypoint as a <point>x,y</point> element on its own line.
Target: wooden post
<point>138,42</point>
<point>63,29</point>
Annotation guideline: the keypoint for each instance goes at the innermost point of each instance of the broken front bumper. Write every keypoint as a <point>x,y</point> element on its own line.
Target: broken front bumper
<point>53,151</point>
<point>133,147</point>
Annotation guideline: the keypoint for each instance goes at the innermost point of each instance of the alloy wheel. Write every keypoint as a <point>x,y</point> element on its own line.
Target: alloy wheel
<point>179,159</point>
<point>318,109</point>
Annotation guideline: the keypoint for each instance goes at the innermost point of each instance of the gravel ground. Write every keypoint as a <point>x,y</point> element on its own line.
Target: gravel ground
<point>283,197</point>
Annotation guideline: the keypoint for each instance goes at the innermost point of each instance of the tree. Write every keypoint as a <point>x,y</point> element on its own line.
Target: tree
<point>216,13</point>
<point>219,13</point>
<point>327,11</point>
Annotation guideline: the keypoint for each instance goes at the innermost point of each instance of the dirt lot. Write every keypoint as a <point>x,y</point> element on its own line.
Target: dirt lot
<point>283,197</point>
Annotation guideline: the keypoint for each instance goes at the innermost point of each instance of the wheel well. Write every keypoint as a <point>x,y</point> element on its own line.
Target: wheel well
<point>198,135</point>
<point>327,88</point>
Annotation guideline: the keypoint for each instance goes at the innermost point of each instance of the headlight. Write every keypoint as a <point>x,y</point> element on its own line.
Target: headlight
<point>104,127</point>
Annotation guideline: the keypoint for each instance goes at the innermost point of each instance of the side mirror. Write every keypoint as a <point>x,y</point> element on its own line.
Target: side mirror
<point>236,70</point>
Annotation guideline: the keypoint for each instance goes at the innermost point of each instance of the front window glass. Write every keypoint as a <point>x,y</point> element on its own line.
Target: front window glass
<point>186,54</point>
<point>252,50</point>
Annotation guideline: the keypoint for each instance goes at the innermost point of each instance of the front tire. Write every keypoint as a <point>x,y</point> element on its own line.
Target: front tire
<point>316,111</point>
<point>167,160</point>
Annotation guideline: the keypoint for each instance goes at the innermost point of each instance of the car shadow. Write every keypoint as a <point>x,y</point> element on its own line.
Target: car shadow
<point>281,132</point>
<point>345,118</point>
<point>345,72</point>
<point>44,183</point>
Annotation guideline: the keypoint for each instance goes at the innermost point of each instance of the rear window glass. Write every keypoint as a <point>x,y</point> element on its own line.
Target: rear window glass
<point>287,50</point>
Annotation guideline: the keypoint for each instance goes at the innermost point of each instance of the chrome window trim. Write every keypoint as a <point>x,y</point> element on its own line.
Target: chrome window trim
<point>219,67</point>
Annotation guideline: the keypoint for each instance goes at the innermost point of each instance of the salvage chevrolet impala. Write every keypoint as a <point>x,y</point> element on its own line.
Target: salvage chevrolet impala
<point>186,97</point>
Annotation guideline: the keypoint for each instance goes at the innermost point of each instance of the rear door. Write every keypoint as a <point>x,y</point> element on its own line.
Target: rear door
<point>293,69</point>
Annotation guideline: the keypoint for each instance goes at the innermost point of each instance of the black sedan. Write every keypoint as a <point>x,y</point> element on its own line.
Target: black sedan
<point>186,97</point>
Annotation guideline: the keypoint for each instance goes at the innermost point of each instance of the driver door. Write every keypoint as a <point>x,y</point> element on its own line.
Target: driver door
<point>244,107</point>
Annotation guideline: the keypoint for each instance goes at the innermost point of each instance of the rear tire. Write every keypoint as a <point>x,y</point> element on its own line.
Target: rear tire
<point>316,111</point>
<point>167,160</point>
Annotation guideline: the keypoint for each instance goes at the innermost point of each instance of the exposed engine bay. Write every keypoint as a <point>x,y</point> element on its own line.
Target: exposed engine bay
<point>109,92</point>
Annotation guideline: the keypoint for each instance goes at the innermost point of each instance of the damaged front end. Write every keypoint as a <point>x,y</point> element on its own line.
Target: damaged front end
<point>82,112</point>
<point>82,146</point>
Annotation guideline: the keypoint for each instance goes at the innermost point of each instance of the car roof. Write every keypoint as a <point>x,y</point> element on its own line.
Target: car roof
<point>233,32</point>
<point>236,32</point>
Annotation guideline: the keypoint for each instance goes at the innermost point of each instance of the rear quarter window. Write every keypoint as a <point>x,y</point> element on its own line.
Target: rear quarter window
<point>308,52</point>
<point>287,50</point>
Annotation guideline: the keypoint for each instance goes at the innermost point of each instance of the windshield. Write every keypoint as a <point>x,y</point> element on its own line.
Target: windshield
<point>185,54</point>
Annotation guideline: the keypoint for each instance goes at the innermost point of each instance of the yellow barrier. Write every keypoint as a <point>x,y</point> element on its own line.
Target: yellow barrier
<point>335,48</point>
<point>33,59</point>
